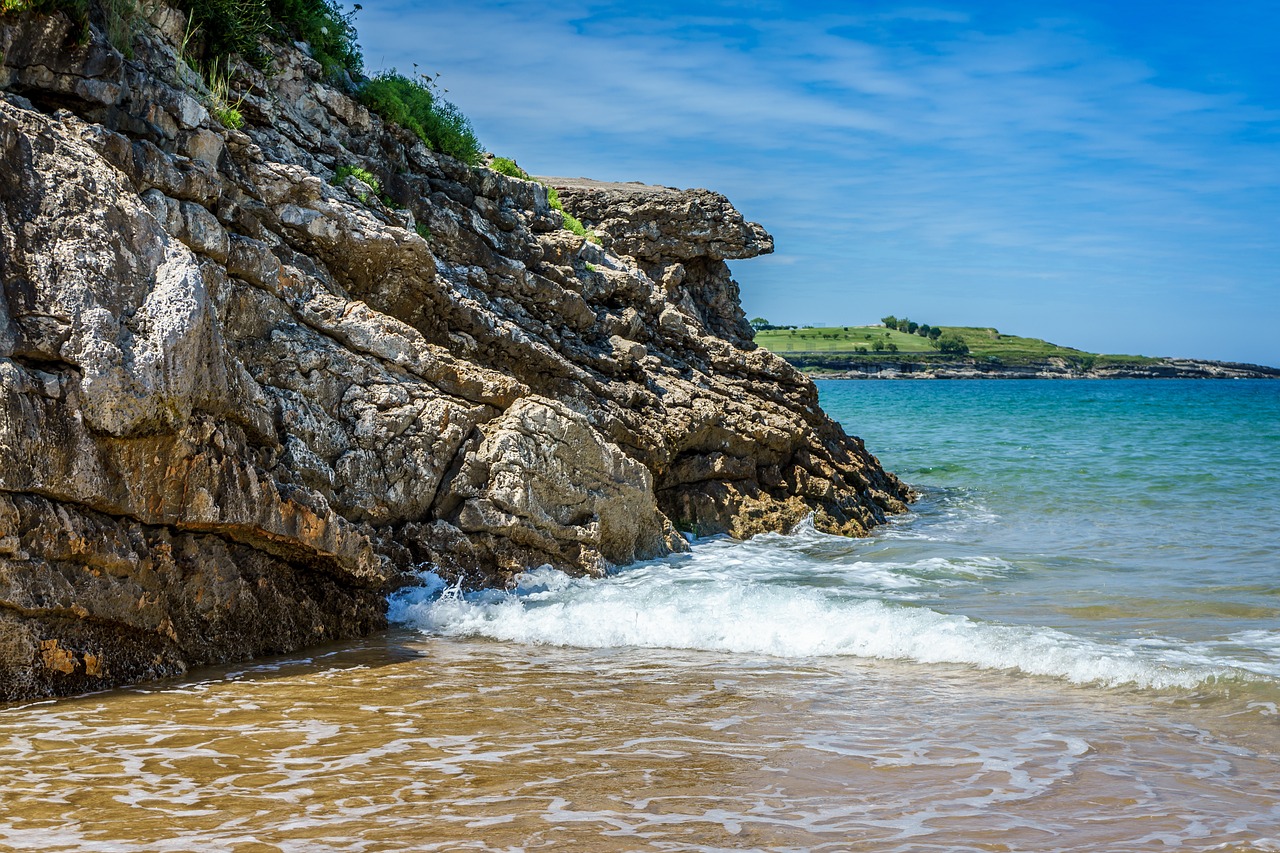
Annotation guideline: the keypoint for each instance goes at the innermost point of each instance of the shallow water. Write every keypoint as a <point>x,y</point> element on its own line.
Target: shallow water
<point>1071,644</point>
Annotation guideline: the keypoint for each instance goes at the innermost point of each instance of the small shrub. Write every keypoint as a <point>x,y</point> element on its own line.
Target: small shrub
<point>508,167</point>
<point>236,27</point>
<point>362,175</point>
<point>575,225</point>
<point>415,107</point>
<point>228,28</point>
<point>322,24</point>
<point>591,267</point>
<point>424,231</point>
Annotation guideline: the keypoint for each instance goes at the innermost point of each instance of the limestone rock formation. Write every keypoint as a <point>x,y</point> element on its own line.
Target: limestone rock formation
<point>238,402</point>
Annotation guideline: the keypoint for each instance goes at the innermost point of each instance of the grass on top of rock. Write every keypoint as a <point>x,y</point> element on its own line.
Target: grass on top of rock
<point>414,106</point>
<point>507,166</point>
<point>571,222</point>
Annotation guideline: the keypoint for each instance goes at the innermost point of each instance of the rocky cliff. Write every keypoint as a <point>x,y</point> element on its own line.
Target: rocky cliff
<point>238,401</point>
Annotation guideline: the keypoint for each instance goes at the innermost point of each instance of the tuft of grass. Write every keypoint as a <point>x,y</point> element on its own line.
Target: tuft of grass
<point>211,82</point>
<point>121,16</point>
<point>363,175</point>
<point>424,231</point>
<point>574,224</point>
<point>571,222</point>
<point>414,105</point>
<point>221,106</point>
<point>508,167</point>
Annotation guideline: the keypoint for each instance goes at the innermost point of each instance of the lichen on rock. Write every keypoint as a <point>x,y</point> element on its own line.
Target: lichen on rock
<point>239,403</point>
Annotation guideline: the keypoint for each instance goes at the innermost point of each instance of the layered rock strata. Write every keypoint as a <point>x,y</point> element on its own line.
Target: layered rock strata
<point>239,402</point>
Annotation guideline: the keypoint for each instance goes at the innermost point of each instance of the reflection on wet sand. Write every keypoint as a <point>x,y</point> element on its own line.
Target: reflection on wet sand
<point>410,743</point>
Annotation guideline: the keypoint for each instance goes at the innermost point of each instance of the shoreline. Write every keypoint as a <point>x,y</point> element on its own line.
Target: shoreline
<point>1050,369</point>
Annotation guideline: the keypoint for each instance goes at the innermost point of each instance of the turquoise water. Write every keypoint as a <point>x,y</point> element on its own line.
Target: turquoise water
<point>1144,513</point>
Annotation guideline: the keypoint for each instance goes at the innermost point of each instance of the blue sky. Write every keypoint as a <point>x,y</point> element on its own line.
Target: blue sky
<point>1103,175</point>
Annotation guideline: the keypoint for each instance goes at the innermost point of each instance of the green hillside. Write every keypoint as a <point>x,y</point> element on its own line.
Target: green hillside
<point>876,343</point>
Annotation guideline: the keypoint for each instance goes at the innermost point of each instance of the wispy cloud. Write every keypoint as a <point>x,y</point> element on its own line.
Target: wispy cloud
<point>924,150</point>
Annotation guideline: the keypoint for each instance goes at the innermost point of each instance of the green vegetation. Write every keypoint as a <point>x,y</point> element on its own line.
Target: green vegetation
<point>571,222</point>
<point>760,324</point>
<point>69,6</point>
<point>424,231</point>
<point>911,327</point>
<point>575,225</point>
<point>850,344</point>
<point>415,106</point>
<point>236,27</point>
<point>118,15</point>
<point>363,175</point>
<point>508,167</point>
<point>367,178</point>
<point>322,25</point>
<point>222,29</point>
<point>220,104</point>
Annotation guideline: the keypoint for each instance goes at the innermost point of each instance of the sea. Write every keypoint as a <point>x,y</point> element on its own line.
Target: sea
<point>1071,643</point>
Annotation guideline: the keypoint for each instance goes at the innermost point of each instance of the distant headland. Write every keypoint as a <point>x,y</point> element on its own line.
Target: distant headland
<point>905,349</point>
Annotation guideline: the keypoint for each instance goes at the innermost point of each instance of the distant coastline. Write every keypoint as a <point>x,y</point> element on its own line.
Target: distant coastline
<point>828,367</point>
<point>904,349</point>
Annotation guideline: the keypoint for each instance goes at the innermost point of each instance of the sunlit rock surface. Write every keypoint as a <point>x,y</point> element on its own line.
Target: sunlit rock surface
<point>239,403</point>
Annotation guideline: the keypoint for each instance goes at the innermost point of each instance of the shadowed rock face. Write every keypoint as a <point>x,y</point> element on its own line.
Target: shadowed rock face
<point>239,403</point>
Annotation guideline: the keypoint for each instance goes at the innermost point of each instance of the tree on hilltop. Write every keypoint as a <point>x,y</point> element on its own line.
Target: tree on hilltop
<point>890,322</point>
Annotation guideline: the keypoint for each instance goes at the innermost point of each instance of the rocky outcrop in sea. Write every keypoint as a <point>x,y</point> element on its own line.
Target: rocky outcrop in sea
<point>240,402</point>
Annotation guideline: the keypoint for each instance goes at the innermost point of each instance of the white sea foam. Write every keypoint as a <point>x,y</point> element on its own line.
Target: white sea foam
<point>758,598</point>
